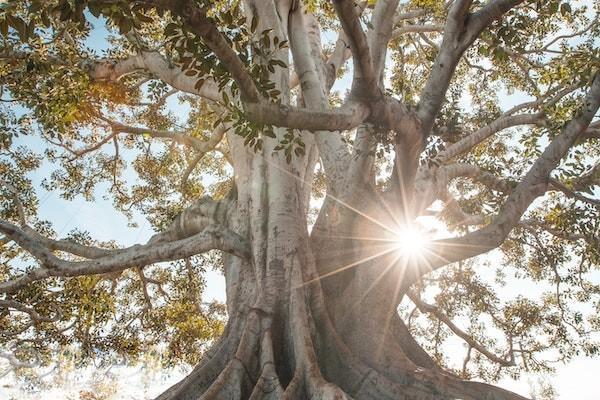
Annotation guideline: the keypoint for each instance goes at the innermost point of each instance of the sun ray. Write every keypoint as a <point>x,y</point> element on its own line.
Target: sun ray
<point>348,266</point>
<point>388,267</point>
<point>332,197</point>
<point>393,307</point>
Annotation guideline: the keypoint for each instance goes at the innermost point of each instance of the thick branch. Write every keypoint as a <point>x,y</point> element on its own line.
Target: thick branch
<point>381,34</point>
<point>365,78</point>
<point>157,65</point>
<point>460,32</point>
<point>347,117</point>
<point>212,237</point>
<point>534,184</point>
<point>470,141</point>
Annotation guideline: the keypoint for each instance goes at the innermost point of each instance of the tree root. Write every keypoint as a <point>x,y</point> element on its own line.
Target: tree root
<point>315,362</point>
<point>206,372</point>
<point>307,376</point>
<point>268,386</point>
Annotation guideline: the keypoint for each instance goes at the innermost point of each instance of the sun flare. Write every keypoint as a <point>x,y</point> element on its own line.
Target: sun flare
<point>412,241</point>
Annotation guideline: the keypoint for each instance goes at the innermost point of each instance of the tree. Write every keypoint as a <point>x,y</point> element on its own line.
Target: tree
<point>325,307</point>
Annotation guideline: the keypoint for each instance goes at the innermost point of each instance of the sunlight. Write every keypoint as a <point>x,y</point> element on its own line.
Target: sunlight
<point>412,242</point>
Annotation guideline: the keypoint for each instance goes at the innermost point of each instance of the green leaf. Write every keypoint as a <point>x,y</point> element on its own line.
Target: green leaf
<point>565,8</point>
<point>269,133</point>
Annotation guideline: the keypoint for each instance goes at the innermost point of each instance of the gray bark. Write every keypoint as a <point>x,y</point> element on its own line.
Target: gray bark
<point>313,315</point>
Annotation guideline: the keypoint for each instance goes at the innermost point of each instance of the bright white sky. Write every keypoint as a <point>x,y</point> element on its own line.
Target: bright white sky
<point>576,380</point>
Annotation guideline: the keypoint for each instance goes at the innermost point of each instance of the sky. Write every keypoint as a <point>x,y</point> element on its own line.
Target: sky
<point>575,380</point>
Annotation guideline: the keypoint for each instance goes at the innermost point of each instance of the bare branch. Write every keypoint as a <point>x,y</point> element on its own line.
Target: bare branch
<point>404,29</point>
<point>449,172</point>
<point>94,147</point>
<point>346,117</point>
<point>157,65</point>
<point>90,252</point>
<point>380,35</point>
<point>205,147</point>
<point>178,137</point>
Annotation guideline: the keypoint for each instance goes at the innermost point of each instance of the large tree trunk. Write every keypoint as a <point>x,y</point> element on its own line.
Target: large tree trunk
<point>292,335</point>
<point>307,318</point>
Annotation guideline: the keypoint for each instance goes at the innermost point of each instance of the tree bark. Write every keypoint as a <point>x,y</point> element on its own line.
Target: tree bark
<point>312,312</point>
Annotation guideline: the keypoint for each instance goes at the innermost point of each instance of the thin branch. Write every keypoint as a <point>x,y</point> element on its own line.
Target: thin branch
<point>33,314</point>
<point>473,139</point>
<point>17,202</point>
<point>207,146</point>
<point>439,315</point>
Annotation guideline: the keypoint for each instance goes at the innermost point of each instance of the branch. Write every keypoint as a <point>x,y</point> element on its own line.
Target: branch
<point>157,65</point>
<point>534,184</point>
<point>202,146</point>
<point>212,237</point>
<point>346,117</point>
<point>531,225</point>
<point>461,218</point>
<point>67,246</point>
<point>473,139</point>
<point>17,202</point>
<point>460,32</point>
<point>416,29</point>
<point>15,362</point>
<point>364,82</point>
<point>542,101</point>
<point>381,34</point>
<point>446,173</point>
<point>199,145</point>
<point>94,147</point>
<point>315,86</point>
<point>445,62</point>
<point>34,315</point>
<point>561,187</point>
<point>432,184</point>
<point>205,147</point>
<point>435,311</point>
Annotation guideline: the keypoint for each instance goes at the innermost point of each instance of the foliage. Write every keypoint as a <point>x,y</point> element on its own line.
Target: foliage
<point>50,99</point>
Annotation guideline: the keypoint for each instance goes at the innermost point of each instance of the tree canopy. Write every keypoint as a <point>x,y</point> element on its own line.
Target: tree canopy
<point>478,115</point>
